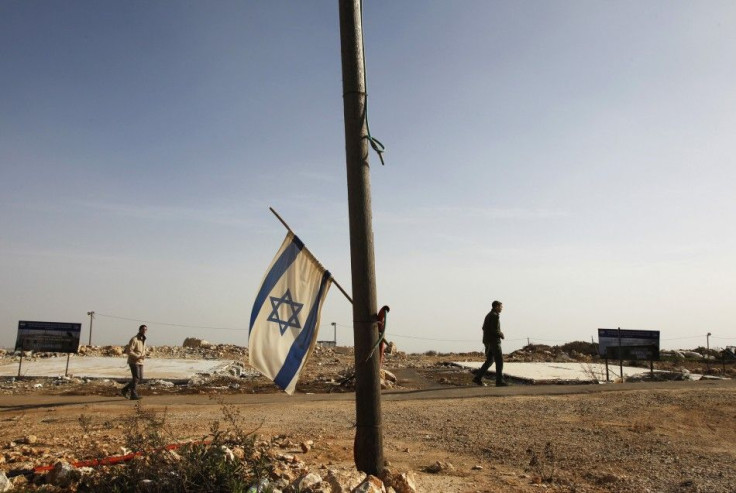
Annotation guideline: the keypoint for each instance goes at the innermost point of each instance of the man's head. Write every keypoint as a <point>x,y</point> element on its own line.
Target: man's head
<point>497,306</point>
<point>142,329</point>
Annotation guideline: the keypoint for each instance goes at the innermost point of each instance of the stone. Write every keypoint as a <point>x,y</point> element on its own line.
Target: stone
<point>370,484</point>
<point>308,482</point>
<point>30,439</point>
<point>306,446</point>
<point>343,482</point>
<point>162,383</point>
<point>388,376</point>
<point>20,481</point>
<point>62,475</point>
<point>401,482</point>
<point>193,342</point>
<point>259,487</point>
<point>146,485</point>
<point>229,455</point>
<point>5,483</point>
<point>440,466</point>
<point>239,453</point>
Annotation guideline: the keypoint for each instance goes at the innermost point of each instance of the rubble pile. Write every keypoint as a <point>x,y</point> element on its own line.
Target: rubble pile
<point>572,352</point>
<point>288,471</point>
<point>191,349</point>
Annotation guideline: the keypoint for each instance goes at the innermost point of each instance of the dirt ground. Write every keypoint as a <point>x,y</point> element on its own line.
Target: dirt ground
<point>675,436</point>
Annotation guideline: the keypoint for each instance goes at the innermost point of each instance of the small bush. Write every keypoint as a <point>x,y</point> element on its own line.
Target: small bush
<point>208,465</point>
<point>85,422</point>
<point>542,466</point>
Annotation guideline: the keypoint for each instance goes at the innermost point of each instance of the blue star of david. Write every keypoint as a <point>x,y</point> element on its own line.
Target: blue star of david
<point>293,320</point>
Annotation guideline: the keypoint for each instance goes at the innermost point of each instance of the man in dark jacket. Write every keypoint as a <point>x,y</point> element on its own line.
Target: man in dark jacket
<point>492,336</point>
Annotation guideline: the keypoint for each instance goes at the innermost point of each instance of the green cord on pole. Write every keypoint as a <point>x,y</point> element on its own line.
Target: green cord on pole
<point>375,143</point>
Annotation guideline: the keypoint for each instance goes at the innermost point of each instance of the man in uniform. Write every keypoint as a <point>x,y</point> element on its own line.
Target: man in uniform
<point>492,336</point>
<point>136,354</point>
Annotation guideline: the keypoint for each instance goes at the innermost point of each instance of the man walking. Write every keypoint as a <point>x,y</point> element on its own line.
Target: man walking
<point>136,354</point>
<point>492,336</point>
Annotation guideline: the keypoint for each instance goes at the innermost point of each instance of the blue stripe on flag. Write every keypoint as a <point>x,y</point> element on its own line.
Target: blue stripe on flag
<point>299,348</point>
<point>279,267</point>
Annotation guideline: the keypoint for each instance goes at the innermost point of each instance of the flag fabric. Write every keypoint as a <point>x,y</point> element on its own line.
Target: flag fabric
<point>285,317</point>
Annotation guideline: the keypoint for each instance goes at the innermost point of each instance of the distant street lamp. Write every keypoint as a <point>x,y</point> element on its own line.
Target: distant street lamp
<point>334,330</point>
<point>91,318</point>
<point>707,350</point>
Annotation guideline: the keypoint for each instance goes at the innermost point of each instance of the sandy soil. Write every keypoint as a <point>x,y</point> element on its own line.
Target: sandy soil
<point>453,437</point>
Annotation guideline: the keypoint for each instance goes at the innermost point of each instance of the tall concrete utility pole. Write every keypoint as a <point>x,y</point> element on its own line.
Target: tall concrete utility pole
<point>368,447</point>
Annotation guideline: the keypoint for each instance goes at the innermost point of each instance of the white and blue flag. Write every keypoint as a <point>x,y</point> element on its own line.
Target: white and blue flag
<point>285,317</point>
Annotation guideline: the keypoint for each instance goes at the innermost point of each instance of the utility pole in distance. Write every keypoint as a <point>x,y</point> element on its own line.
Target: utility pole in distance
<point>368,446</point>
<point>334,332</point>
<point>91,318</point>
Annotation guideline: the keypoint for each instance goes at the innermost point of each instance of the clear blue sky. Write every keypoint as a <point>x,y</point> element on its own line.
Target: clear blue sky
<point>575,160</point>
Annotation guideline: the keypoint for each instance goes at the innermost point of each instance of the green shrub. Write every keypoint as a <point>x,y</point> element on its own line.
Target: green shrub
<point>207,465</point>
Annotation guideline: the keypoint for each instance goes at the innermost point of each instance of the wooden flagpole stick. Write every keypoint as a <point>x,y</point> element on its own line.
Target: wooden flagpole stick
<point>337,285</point>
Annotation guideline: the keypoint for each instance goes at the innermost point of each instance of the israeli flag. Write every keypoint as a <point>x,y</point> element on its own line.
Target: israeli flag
<point>285,317</point>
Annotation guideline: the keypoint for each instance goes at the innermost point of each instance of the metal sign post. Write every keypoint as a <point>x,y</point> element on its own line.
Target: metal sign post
<point>620,357</point>
<point>628,345</point>
<point>51,337</point>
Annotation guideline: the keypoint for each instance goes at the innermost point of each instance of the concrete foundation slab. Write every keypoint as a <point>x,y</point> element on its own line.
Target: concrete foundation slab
<point>109,367</point>
<point>558,372</point>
